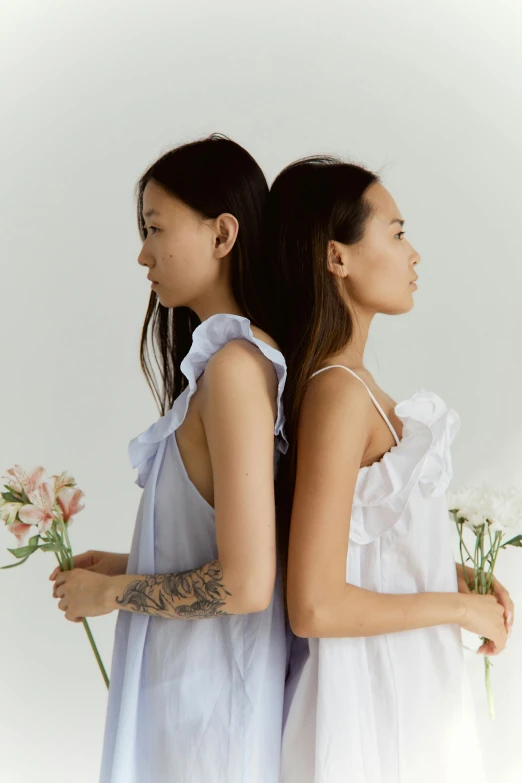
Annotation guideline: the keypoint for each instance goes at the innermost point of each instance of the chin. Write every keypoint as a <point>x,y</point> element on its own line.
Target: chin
<point>398,309</point>
<point>166,301</point>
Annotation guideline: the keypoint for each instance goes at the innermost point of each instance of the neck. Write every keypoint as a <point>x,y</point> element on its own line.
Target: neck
<point>353,353</point>
<point>220,301</point>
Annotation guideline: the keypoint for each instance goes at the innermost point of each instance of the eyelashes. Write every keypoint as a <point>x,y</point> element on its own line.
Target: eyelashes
<point>400,234</point>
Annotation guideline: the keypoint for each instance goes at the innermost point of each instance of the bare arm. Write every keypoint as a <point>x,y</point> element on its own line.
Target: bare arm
<point>238,408</point>
<point>193,594</point>
<point>333,434</point>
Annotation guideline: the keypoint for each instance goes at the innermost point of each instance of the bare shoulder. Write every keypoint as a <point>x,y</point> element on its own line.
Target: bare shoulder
<point>259,334</point>
<point>239,363</point>
<point>336,402</point>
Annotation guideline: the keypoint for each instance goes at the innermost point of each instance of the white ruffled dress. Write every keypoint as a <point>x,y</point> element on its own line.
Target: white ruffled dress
<point>192,701</point>
<point>394,708</point>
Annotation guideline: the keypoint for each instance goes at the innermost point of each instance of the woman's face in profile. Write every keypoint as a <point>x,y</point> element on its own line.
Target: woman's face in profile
<point>178,248</point>
<point>381,266</point>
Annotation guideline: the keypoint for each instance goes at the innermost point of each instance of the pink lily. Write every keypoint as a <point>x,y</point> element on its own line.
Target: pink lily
<point>19,480</point>
<point>63,480</point>
<point>20,531</point>
<point>71,502</point>
<point>40,510</point>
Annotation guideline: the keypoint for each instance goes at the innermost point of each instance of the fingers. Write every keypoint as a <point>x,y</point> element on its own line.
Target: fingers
<point>68,616</point>
<point>61,578</point>
<point>498,634</point>
<point>58,591</point>
<point>61,581</point>
<point>487,649</point>
<point>72,618</point>
<point>499,640</point>
<point>85,560</point>
<point>504,599</point>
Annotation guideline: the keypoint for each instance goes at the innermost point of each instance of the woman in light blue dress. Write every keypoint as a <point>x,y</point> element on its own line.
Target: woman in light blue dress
<point>199,658</point>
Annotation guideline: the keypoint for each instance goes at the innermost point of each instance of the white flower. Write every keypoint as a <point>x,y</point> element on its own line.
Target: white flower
<point>501,509</point>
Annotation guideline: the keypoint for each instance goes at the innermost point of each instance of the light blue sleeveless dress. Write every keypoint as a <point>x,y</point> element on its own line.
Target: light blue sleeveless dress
<point>192,701</point>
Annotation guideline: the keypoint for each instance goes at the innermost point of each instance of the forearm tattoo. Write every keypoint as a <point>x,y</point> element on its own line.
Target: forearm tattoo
<point>193,594</point>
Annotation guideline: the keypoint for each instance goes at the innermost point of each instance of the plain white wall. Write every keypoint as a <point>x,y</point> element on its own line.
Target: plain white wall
<point>91,93</point>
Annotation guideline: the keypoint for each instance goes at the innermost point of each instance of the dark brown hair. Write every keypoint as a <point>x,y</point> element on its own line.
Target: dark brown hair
<point>211,176</point>
<point>312,201</point>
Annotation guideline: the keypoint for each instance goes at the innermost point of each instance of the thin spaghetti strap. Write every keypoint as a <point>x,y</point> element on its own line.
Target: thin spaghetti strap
<point>379,408</point>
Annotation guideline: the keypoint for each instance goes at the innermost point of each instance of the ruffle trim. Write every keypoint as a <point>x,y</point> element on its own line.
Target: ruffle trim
<point>422,458</point>
<point>211,335</point>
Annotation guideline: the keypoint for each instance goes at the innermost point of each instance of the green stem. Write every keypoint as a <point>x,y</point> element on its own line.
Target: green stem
<point>461,545</point>
<point>69,567</point>
<point>469,556</point>
<point>95,651</point>
<point>460,526</point>
<point>482,570</point>
<point>483,580</point>
<point>487,587</point>
<point>475,564</point>
<point>496,548</point>
<point>489,690</point>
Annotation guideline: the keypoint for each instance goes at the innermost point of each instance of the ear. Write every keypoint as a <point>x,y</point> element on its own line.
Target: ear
<point>337,259</point>
<point>226,228</point>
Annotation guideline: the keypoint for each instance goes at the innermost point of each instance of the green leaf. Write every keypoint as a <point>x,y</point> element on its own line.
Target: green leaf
<point>34,540</point>
<point>10,497</point>
<point>23,551</point>
<point>13,565</point>
<point>53,548</point>
<point>517,541</point>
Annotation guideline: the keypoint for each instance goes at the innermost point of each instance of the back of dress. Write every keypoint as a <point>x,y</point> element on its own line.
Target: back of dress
<point>193,700</point>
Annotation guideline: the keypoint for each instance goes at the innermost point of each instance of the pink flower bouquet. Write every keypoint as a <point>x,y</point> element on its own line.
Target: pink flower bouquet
<point>39,510</point>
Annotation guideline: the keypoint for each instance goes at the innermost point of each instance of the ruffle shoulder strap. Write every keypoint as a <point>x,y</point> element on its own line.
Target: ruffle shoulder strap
<point>211,335</point>
<point>422,458</point>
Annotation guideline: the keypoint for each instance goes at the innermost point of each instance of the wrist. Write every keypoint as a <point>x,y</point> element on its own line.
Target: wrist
<point>114,588</point>
<point>461,600</point>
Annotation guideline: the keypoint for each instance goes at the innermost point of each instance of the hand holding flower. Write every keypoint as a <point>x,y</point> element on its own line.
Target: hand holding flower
<point>466,580</point>
<point>82,594</point>
<point>494,517</point>
<point>38,510</point>
<point>108,563</point>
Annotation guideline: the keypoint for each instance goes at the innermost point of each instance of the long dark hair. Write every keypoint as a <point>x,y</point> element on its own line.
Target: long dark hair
<point>312,201</point>
<point>211,176</point>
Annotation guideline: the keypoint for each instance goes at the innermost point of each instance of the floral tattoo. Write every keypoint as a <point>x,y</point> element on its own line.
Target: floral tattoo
<point>192,594</point>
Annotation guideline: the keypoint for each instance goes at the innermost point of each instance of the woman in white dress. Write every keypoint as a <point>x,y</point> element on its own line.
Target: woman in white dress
<point>371,580</point>
<point>199,661</point>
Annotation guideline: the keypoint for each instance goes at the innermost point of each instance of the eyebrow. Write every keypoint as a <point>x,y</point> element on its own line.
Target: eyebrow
<point>396,220</point>
<point>150,213</point>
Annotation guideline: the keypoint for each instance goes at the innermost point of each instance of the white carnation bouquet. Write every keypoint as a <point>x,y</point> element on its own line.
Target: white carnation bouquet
<point>494,517</point>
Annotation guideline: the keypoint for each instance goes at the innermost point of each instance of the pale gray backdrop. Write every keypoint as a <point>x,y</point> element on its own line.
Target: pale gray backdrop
<point>91,93</point>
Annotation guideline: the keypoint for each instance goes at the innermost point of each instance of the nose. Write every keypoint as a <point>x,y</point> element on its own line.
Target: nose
<point>416,257</point>
<point>143,257</point>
